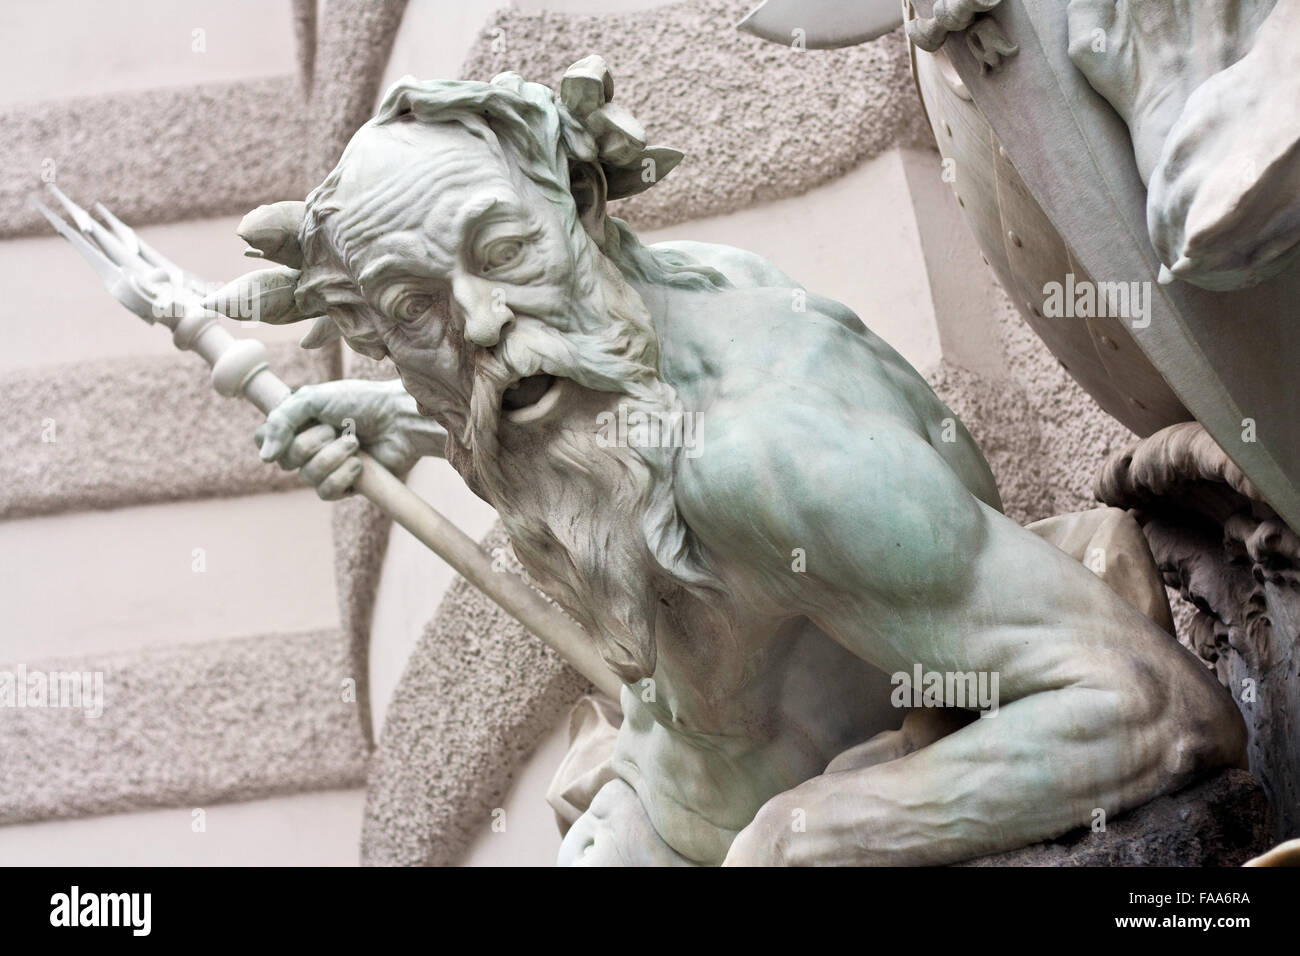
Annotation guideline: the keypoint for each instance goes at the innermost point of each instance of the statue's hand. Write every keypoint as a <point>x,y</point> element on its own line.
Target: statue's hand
<point>319,429</point>
<point>768,840</point>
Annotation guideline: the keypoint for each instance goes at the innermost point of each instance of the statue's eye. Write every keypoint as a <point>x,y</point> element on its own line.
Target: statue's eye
<point>502,253</point>
<point>410,307</point>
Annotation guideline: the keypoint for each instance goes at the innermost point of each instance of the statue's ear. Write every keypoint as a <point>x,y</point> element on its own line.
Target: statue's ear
<point>587,184</point>
<point>272,232</point>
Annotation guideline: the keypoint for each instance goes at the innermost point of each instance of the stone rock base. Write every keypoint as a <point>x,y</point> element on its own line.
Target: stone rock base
<point>1222,821</point>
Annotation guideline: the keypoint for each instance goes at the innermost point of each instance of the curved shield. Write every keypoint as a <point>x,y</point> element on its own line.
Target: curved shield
<point>1229,357</point>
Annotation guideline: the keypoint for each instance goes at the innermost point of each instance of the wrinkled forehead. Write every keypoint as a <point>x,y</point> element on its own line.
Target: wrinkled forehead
<point>416,177</point>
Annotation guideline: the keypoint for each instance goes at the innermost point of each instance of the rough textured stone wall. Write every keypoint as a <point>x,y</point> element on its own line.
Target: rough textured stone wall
<point>223,720</point>
<point>197,724</point>
<point>111,436</point>
<point>158,155</point>
<point>757,121</point>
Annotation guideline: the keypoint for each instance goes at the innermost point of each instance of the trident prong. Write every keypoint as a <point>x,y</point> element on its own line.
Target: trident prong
<point>239,367</point>
<point>126,285</point>
<point>125,234</point>
<point>93,231</point>
<point>129,238</point>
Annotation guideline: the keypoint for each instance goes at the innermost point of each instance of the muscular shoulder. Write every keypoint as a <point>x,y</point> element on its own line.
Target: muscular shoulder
<point>867,499</point>
<point>743,269</point>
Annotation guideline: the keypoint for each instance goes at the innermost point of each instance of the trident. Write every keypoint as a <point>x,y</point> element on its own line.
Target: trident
<point>131,269</point>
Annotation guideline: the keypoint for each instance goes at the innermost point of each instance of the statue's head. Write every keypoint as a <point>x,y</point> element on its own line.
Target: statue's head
<point>464,235</point>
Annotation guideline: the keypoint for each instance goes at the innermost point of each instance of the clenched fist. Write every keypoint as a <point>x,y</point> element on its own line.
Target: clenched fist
<point>319,429</point>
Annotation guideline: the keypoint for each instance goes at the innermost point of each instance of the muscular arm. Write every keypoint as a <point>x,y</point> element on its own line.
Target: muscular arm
<point>1099,709</point>
<point>883,524</point>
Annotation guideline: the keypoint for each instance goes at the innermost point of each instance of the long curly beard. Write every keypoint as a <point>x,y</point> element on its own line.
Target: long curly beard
<point>596,526</point>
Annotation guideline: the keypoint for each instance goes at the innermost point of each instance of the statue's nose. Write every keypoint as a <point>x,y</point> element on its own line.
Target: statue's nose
<point>483,309</point>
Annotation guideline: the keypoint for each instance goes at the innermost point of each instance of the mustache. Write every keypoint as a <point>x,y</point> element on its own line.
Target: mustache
<point>620,357</point>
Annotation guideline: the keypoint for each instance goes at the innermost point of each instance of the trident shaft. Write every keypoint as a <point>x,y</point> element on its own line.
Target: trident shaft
<point>134,273</point>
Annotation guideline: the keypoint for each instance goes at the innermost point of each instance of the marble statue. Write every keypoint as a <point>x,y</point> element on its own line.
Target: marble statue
<point>791,529</point>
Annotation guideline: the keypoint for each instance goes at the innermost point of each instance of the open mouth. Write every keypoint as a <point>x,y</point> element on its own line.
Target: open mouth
<point>526,391</point>
<point>530,398</point>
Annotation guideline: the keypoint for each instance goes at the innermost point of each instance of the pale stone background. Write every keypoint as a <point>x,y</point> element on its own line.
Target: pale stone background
<point>223,687</point>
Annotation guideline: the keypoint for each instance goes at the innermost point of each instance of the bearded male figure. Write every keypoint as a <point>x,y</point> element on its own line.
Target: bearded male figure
<point>831,526</point>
